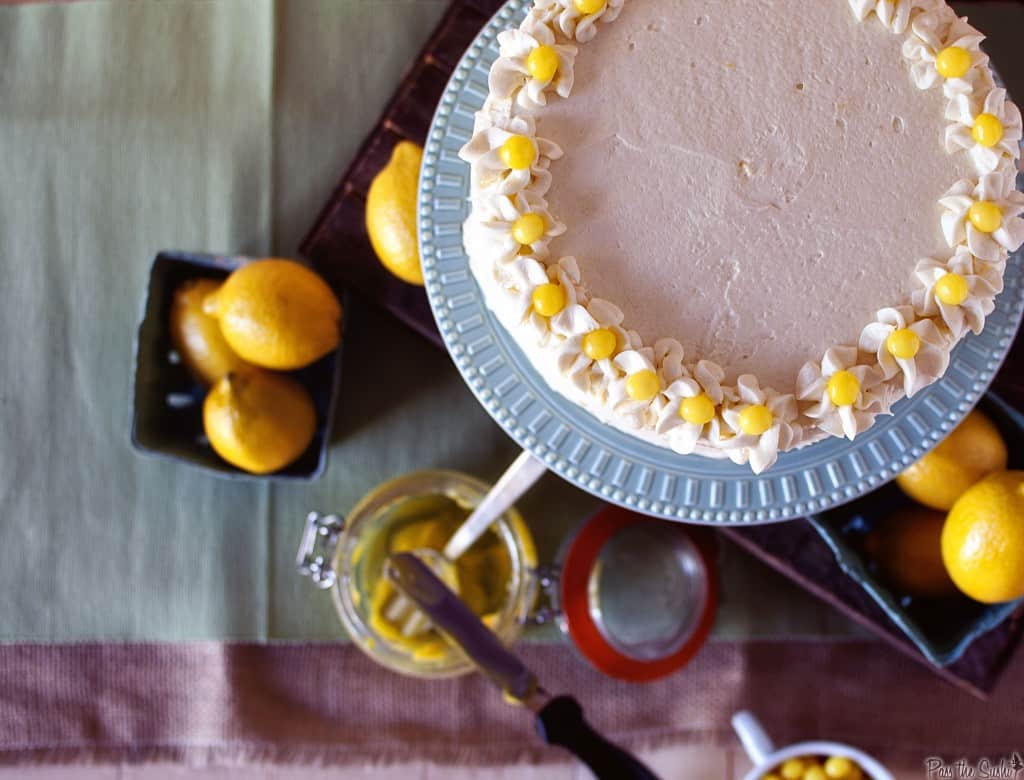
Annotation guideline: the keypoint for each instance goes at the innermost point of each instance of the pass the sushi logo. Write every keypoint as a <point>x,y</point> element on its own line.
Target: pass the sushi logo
<point>1008,768</point>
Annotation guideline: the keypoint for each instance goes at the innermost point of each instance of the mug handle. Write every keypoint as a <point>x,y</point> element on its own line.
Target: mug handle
<point>755,740</point>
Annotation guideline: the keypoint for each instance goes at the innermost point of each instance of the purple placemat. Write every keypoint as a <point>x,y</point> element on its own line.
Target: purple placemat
<point>202,703</point>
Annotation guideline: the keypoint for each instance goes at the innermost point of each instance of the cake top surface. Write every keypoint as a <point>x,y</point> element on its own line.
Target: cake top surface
<point>736,227</point>
<point>754,198</point>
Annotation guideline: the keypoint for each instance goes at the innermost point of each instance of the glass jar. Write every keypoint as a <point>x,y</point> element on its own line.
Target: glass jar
<point>347,557</point>
<point>635,595</point>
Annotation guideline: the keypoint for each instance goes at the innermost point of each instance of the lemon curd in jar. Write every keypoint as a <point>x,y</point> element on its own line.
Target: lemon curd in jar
<point>482,573</point>
<point>422,511</point>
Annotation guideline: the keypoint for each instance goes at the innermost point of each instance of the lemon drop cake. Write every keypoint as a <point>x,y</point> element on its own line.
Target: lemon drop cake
<point>737,227</point>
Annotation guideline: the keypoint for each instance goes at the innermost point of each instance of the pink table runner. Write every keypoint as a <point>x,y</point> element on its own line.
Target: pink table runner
<point>328,704</point>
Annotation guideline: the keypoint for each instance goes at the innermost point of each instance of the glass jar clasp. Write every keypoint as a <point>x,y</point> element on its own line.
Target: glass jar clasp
<point>546,607</point>
<point>316,550</point>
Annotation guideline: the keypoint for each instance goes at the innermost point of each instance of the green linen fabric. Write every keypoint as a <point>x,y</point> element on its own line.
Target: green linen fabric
<point>131,127</point>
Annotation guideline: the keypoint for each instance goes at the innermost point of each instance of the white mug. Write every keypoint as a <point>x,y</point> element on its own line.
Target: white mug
<point>766,757</point>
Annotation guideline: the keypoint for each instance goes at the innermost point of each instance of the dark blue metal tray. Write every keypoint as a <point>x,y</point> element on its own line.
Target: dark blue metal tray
<point>167,415</point>
<point>942,628</point>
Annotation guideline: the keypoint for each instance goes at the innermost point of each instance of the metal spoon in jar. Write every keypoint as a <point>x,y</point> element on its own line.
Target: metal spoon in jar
<point>517,479</point>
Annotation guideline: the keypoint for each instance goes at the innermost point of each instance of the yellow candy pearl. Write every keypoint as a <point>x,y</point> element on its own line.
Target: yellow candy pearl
<point>643,385</point>
<point>985,215</point>
<point>843,388</point>
<point>755,420</point>
<point>600,344</point>
<point>839,768</point>
<point>903,343</point>
<point>815,773</point>
<point>953,62</point>
<point>792,769</point>
<point>528,228</point>
<point>987,130</point>
<point>548,299</point>
<point>542,63</point>
<point>588,6</point>
<point>518,153</point>
<point>951,289</point>
<point>698,410</point>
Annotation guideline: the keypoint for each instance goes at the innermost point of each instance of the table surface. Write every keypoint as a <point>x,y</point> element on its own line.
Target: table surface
<point>131,127</point>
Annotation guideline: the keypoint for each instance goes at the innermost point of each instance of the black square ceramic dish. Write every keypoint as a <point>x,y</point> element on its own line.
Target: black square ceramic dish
<point>167,420</point>
<point>942,629</point>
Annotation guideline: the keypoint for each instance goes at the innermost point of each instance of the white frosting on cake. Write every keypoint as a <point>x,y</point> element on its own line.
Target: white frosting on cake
<point>746,220</point>
<point>731,195</point>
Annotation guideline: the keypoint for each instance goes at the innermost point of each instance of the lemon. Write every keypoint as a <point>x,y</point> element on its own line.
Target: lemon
<point>196,335</point>
<point>391,213</point>
<point>983,539</point>
<point>908,549</point>
<point>432,534</point>
<point>277,314</point>
<point>259,421</point>
<point>971,451</point>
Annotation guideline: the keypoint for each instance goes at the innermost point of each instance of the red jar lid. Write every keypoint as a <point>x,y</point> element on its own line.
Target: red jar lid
<point>639,595</point>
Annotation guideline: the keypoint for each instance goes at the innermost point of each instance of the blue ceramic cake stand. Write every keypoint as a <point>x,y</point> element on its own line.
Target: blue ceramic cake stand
<point>619,467</point>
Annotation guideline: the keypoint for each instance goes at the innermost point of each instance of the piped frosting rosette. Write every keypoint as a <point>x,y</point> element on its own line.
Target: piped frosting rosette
<point>985,215</point>
<point>845,396</point>
<point>905,345</point>
<point>637,409</point>
<point>488,153</point>
<point>637,394</point>
<point>530,274</point>
<point>518,279</point>
<point>934,31</point>
<point>505,225</point>
<point>894,14</point>
<point>593,371</point>
<point>758,424</point>
<point>990,132</point>
<point>574,23</point>
<point>686,393</point>
<point>960,290</point>
<point>530,61</point>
